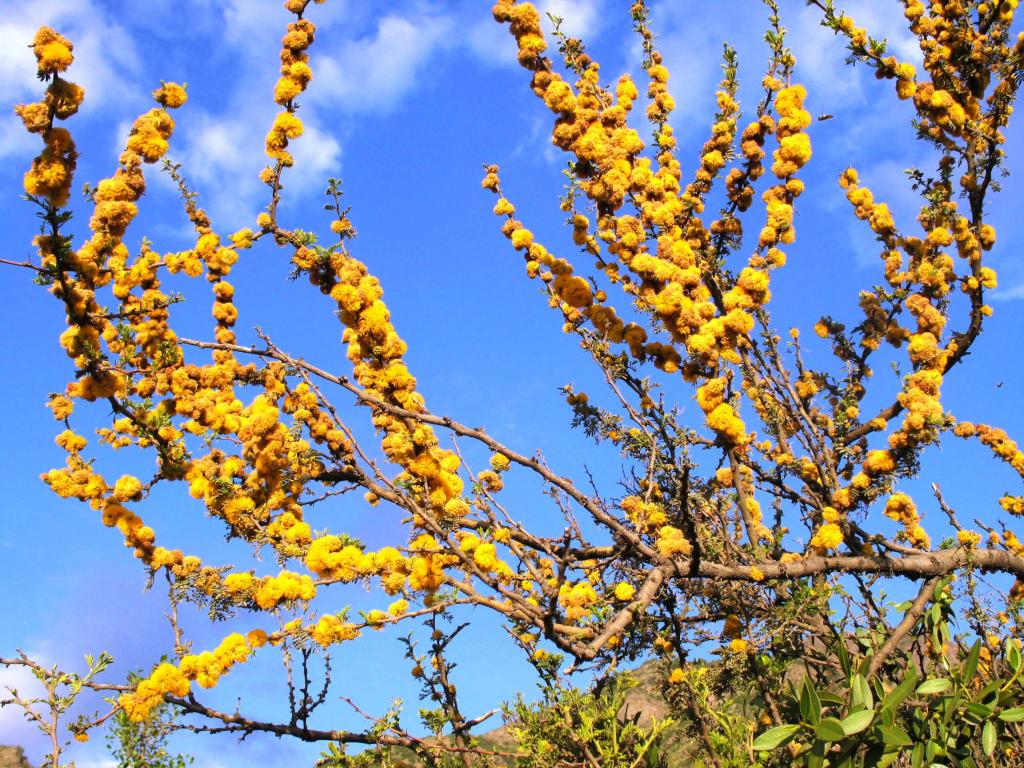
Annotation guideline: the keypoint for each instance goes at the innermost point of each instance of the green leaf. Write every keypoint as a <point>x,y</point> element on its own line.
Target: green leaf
<point>844,659</point>
<point>775,737</point>
<point>971,665</point>
<point>830,729</point>
<point>980,711</point>
<point>1013,653</point>
<point>1014,715</point>
<point>896,696</point>
<point>858,721</point>
<point>816,757</point>
<point>810,704</point>
<point>988,737</point>
<point>894,736</point>
<point>935,685</point>
<point>861,692</point>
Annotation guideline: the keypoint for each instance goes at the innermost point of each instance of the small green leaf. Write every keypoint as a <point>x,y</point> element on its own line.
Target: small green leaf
<point>830,729</point>
<point>1014,715</point>
<point>988,737</point>
<point>1013,653</point>
<point>896,696</point>
<point>844,659</point>
<point>861,692</point>
<point>775,738</point>
<point>810,704</point>
<point>894,736</point>
<point>858,721</point>
<point>971,665</point>
<point>935,685</point>
<point>980,711</point>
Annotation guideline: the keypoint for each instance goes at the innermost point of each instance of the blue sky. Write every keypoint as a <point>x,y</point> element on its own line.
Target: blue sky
<point>408,100</point>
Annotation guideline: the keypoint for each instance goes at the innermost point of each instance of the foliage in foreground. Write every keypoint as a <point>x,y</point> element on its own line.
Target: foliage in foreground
<point>761,533</point>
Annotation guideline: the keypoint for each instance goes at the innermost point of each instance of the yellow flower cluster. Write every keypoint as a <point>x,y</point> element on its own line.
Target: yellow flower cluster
<point>205,668</point>
<point>902,509</point>
<point>794,145</point>
<point>671,542</point>
<point>647,516</point>
<point>624,591</point>
<point>330,559</point>
<point>599,136</point>
<point>170,95</point>
<point>997,440</point>
<point>331,629</point>
<point>62,98</point>
<point>52,51</point>
<point>828,537</point>
<point>149,693</point>
<point>295,76</point>
<point>376,350</point>
<point>286,587</point>
<point>286,126</point>
<point>52,171</point>
<point>577,600</point>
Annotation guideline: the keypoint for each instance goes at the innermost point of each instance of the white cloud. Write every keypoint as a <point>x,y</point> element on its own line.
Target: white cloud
<point>13,725</point>
<point>537,142</point>
<point>105,56</point>
<point>1008,294</point>
<point>580,18</point>
<point>105,62</point>
<point>820,53</point>
<point>15,141</point>
<point>372,74</point>
<point>222,156</point>
<point>492,43</point>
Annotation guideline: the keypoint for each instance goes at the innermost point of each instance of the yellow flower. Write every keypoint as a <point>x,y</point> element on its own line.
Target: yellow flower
<point>503,207</point>
<point>969,539</point>
<point>52,50</point>
<point>739,645</point>
<point>170,95</point>
<point>828,536</point>
<point>624,591</point>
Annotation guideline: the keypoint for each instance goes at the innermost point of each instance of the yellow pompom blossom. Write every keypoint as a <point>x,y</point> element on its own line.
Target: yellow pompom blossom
<point>149,693</point>
<point>52,50</point>
<point>902,509</point>
<point>671,542</point>
<point>624,591</point>
<point>828,537</point>
<point>170,95</point>
<point>577,600</point>
<point>647,516</point>
<point>330,630</point>
<point>738,645</point>
<point>205,668</point>
<point>969,539</point>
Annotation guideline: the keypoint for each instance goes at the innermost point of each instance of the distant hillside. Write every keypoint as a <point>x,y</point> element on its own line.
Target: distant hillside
<point>645,698</point>
<point>13,757</point>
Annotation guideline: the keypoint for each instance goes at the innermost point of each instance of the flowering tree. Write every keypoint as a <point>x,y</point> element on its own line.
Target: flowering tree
<point>755,530</point>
